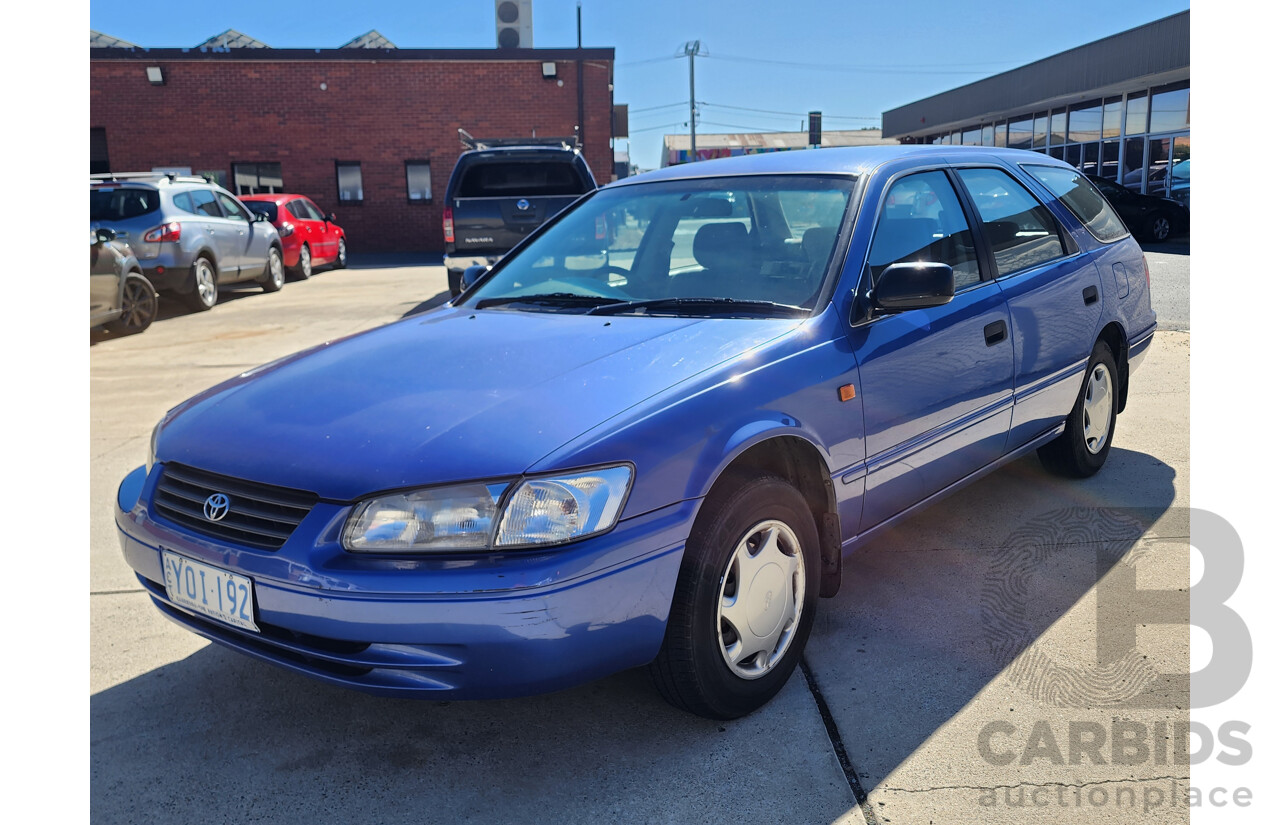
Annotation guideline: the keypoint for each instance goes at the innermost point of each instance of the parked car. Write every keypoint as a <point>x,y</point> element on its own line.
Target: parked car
<point>120,296</point>
<point>661,459</point>
<point>1179,183</point>
<point>1150,217</point>
<point>190,236</point>
<point>309,237</point>
<point>498,194</point>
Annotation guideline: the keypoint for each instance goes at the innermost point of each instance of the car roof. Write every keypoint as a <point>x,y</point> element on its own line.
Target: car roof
<point>843,160</point>
<point>274,197</point>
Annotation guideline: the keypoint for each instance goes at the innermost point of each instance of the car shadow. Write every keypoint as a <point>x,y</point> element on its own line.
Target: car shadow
<point>172,306</point>
<point>437,300</point>
<point>936,609</point>
<point>1176,245</point>
<point>393,260</point>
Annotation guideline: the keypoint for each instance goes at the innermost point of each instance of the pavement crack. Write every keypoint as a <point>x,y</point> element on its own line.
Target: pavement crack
<point>1037,785</point>
<point>837,745</point>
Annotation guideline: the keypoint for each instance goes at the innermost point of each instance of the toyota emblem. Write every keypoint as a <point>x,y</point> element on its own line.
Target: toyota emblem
<point>522,205</point>
<point>216,507</point>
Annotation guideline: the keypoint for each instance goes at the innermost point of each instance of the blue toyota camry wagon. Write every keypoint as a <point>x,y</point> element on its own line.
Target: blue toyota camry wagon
<point>649,435</point>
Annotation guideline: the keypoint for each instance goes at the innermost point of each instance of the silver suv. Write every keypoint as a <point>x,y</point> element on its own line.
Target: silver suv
<point>190,236</point>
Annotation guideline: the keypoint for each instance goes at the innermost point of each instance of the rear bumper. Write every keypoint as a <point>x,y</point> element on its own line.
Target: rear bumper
<point>1139,345</point>
<point>580,613</point>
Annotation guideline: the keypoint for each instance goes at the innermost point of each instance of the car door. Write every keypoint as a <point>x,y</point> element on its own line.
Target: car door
<point>104,280</point>
<point>936,384</point>
<point>221,231</point>
<point>1054,296</point>
<point>325,233</point>
<point>308,229</point>
<point>249,239</point>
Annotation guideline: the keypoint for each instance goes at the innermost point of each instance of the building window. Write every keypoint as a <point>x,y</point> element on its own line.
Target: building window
<point>1170,109</point>
<point>1112,112</point>
<point>417,177</point>
<point>99,164</point>
<point>1002,133</point>
<point>988,135</point>
<point>1058,128</point>
<point>1020,134</point>
<point>350,183</point>
<point>1086,122</point>
<point>1135,117</point>
<point>972,137</point>
<point>1041,126</point>
<point>257,178</point>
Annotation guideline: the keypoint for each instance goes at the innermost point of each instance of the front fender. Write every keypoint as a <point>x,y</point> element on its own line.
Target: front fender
<point>719,453</point>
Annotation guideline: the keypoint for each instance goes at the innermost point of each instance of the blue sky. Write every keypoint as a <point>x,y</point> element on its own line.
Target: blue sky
<point>849,59</point>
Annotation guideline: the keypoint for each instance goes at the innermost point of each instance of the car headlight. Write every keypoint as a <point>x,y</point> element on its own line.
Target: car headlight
<point>538,511</point>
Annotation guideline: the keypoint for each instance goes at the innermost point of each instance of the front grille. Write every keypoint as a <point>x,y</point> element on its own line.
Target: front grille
<point>258,515</point>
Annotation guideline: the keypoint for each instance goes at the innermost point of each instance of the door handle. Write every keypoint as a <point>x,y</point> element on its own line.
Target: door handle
<point>995,332</point>
<point>1090,295</point>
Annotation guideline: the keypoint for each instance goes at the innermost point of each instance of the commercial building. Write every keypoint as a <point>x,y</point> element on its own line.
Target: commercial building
<point>1119,107</point>
<point>367,130</point>
<point>675,148</point>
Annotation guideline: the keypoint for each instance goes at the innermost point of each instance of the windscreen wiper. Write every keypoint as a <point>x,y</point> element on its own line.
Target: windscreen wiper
<point>709,306</point>
<point>559,299</point>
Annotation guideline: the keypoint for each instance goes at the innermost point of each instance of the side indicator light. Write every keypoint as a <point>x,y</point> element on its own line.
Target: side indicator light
<point>847,393</point>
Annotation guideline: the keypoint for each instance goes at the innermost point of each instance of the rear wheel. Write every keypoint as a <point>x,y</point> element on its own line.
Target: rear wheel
<point>744,600</point>
<point>204,291</point>
<point>138,306</point>
<point>273,272</point>
<point>340,262</point>
<point>1083,447</point>
<point>303,269</point>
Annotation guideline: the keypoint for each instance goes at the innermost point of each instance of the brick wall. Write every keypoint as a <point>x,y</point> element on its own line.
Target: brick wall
<point>210,114</point>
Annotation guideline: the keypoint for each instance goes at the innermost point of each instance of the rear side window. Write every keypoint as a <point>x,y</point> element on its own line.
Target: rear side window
<point>1021,230</point>
<point>922,221</point>
<point>204,203</point>
<point>121,204</point>
<point>1085,202</point>
<point>497,179</point>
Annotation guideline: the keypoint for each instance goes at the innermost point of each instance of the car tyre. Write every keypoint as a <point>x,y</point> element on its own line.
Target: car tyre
<point>204,286</point>
<point>138,306</point>
<point>340,262</point>
<point>744,600</point>
<point>303,269</point>
<point>273,272</point>
<point>1083,447</point>
<point>1159,227</point>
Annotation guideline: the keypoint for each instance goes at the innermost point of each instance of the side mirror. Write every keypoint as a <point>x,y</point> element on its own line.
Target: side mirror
<point>904,286</point>
<point>104,235</point>
<point>472,274</point>
<point>331,218</point>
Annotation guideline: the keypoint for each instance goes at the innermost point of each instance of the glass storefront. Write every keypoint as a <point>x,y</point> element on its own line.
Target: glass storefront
<point>1141,140</point>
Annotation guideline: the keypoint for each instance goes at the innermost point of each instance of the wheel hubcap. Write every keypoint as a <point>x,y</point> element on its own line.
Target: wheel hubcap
<point>306,261</point>
<point>1162,228</point>
<point>204,283</point>
<point>342,252</point>
<point>761,598</point>
<point>139,305</point>
<point>1097,408</point>
<point>277,270</point>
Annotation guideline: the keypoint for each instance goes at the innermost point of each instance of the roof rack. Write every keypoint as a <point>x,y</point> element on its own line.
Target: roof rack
<point>489,143</point>
<point>157,177</point>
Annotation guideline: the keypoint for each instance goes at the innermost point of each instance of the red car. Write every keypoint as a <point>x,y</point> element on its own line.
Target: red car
<point>310,237</point>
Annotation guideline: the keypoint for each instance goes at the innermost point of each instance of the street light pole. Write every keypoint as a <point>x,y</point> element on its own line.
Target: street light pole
<point>693,49</point>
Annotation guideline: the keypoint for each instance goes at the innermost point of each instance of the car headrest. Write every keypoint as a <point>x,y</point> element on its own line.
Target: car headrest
<point>720,245</point>
<point>817,242</point>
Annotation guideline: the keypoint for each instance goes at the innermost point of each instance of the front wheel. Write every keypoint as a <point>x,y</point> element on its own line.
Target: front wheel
<point>138,306</point>
<point>1159,227</point>
<point>273,272</point>
<point>1082,448</point>
<point>744,601</point>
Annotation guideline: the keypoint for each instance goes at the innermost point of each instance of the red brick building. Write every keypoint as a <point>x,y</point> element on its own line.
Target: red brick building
<point>289,119</point>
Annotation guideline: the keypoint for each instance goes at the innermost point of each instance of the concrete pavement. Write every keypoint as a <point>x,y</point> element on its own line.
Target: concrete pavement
<point>906,669</point>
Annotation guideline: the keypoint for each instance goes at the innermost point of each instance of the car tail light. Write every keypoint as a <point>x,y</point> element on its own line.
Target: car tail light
<point>448,224</point>
<point>171,231</point>
<point>286,229</point>
<point>1147,270</point>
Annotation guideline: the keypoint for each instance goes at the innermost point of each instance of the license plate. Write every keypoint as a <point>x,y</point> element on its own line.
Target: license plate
<point>216,593</point>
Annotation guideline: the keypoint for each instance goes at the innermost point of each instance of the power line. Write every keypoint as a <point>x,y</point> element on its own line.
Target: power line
<point>846,68</point>
<point>655,108</point>
<point>788,114</point>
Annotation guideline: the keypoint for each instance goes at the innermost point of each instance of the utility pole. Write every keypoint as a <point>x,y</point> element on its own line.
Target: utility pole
<point>692,49</point>
<point>581,113</point>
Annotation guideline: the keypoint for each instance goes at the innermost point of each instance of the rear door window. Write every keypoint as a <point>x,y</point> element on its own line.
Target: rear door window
<point>500,179</point>
<point>1020,229</point>
<point>1085,202</point>
<point>299,210</point>
<point>121,204</point>
<point>205,204</point>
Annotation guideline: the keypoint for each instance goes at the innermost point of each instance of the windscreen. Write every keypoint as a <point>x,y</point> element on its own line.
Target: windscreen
<point>263,208</point>
<point>121,204</point>
<point>526,179</point>
<point>763,239</point>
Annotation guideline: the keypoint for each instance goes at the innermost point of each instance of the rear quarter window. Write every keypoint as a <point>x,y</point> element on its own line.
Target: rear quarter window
<point>1079,195</point>
<point>121,204</point>
<point>498,179</point>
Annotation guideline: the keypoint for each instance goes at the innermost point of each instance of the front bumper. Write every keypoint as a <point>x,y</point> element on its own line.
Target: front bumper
<point>465,628</point>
